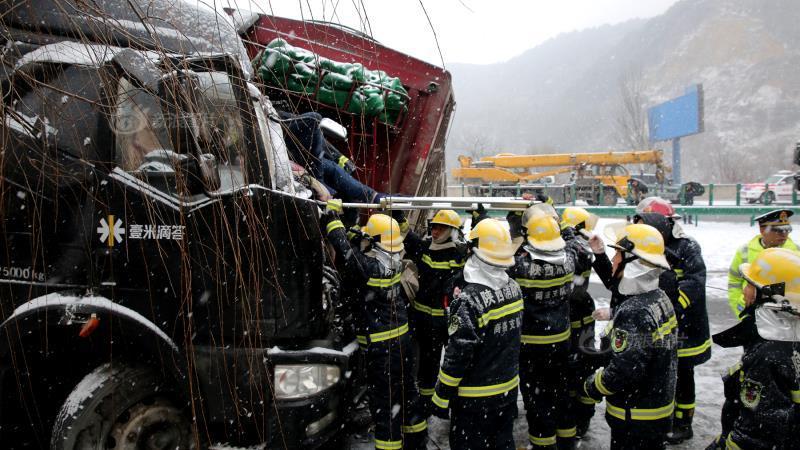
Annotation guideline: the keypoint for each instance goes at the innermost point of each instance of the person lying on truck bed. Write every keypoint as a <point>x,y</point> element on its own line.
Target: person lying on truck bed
<point>308,147</point>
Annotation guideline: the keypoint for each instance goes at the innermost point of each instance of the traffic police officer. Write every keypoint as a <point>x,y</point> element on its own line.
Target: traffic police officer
<point>685,285</point>
<point>544,270</point>
<point>774,228</point>
<point>639,380</point>
<point>765,399</point>
<point>576,227</point>
<point>479,375</point>
<point>439,258</point>
<point>383,323</point>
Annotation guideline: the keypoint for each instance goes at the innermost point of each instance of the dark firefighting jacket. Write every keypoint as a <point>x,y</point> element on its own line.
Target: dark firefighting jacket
<point>689,299</point>
<point>581,304</point>
<point>685,285</point>
<point>764,388</point>
<point>381,313</point>
<point>481,361</point>
<point>437,264</point>
<point>769,382</point>
<point>546,288</point>
<point>639,380</point>
<point>603,268</point>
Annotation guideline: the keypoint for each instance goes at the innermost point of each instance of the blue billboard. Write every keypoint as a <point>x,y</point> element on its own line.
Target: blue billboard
<point>678,117</point>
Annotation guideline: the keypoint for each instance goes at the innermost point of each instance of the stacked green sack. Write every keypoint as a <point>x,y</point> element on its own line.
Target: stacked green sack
<point>370,92</point>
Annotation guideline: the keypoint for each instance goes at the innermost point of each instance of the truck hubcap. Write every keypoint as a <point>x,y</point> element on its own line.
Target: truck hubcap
<point>155,426</point>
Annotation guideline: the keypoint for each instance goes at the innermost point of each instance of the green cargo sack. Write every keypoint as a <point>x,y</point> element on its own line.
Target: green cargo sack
<point>369,92</point>
<point>337,81</point>
<point>331,97</point>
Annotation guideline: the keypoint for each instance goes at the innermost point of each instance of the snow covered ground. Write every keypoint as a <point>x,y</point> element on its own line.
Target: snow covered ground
<point>719,241</point>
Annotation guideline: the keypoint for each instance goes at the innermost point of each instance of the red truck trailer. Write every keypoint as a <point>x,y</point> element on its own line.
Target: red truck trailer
<point>406,156</point>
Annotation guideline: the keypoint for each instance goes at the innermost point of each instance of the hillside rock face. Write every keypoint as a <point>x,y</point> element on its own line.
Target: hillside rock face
<point>565,95</point>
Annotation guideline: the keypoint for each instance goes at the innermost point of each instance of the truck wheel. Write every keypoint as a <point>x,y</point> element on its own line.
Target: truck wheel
<point>609,197</point>
<point>118,406</point>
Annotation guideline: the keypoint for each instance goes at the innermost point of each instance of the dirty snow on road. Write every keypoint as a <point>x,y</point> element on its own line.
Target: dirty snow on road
<point>719,241</point>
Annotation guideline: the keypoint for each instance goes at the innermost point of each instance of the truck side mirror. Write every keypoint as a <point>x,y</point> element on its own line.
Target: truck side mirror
<point>797,154</point>
<point>200,173</point>
<point>186,173</point>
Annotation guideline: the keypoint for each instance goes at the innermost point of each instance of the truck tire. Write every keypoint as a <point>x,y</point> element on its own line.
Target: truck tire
<point>609,197</point>
<point>118,406</point>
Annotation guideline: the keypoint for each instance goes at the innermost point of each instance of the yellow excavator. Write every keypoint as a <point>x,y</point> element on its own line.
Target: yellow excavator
<point>598,178</point>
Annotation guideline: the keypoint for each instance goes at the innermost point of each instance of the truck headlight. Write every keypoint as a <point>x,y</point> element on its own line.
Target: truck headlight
<point>303,380</point>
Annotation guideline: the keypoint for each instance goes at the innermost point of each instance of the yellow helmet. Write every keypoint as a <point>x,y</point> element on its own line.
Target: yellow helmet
<point>447,217</point>
<point>385,232</point>
<point>544,233</point>
<point>578,218</point>
<point>772,267</point>
<point>491,242</point>
<point>639,239</point>
<point>538,210</point>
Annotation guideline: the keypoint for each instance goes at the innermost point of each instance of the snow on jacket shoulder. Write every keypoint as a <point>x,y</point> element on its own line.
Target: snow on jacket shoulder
<point>770,397</point>
<point>639,380</point>
<point>481,360</point>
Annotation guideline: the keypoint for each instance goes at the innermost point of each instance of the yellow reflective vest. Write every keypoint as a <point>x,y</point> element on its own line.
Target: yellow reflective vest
<point>736,282</point>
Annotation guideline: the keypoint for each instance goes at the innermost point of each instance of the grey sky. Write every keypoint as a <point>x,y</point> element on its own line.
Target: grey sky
<point>469,31</point>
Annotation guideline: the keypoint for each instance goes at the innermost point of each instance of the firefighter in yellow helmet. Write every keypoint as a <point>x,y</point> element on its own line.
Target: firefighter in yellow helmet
<point>439,258</point>
<point>577,225</point>
<point>638,381</point>
<point>383,326</point>
<point>762,391</point>
<point>480,371</point>
<point>774,228</point>
<point>544,269</point>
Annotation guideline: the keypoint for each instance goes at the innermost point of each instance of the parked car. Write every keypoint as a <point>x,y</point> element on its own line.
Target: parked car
<point>777,187</point>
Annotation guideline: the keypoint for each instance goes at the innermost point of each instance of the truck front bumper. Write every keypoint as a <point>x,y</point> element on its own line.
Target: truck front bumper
<point>241,405</point>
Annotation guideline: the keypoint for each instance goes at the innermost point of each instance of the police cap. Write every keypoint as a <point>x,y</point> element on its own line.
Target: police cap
<point>775,218</point>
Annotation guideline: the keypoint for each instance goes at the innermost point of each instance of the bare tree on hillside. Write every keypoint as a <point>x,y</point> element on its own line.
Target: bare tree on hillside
<point>631,123</point>
<point>476,145</point>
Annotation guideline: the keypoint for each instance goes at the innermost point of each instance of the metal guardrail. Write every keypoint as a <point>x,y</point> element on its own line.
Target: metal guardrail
<point>723,194</point>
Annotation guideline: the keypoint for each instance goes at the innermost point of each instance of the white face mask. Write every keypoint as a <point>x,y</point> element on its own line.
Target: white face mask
<point>558,257</point>
<point>777,325</point>
<point>639,277</point>
<point>477,271</point>
<point>392,261</point>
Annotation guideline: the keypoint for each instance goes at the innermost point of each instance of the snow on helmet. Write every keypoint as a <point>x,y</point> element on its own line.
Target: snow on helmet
<point>544,234</point>
<point>643,241</point>
<point>491,243</point>
<point>657,205</point>
<point>775,270</point>
<point>385,233</point>
<point>447,217</point>
<point>539,209</point>
<point>578,218</point>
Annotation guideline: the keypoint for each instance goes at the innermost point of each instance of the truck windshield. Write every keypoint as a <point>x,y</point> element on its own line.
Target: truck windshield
<point>203,117</point>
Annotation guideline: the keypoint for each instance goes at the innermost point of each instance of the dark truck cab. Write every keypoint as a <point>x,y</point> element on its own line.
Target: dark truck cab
<point>162,285</point>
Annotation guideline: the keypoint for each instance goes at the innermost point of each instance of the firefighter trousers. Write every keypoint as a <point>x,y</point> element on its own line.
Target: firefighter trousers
<point>431,336</point>
<point>638,436</point>
<point>393,398</point>
<point>476,428</point>
<point>544,379</point>
<point>581,366</point>
<point>684,393</point>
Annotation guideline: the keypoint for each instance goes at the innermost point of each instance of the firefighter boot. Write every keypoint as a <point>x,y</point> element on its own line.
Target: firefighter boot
<point>567,443</point>
<point>681,426</point>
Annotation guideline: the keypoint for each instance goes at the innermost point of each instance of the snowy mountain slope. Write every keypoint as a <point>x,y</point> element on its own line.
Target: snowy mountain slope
<point>564,94</point>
